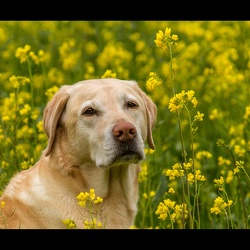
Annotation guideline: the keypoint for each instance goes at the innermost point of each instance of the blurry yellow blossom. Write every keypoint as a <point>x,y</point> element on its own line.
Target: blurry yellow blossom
<point>180,100</point>
<point>1,133</point>
<point>2,204</point>
<point>22,53</point>
<point>164,40</point>
<point>114,55</point>
<point>133,227</point>
<point>219,183</point>
<point>149,151</point>
<point>143,173</point>
<point>4,164</point>
<point>25,132</point>
<point>230,176</point>
<point>197,177</point>
<point>34,57</point>
<point>171,191</point>
<point>203,155</point>
<point>91,48</point>
<point>69,223</point>
<point>167,32</point>
<point>153,81</point>
<point>187,165</point>
<point>17,81</point>
<point>108,74</point>
<point>51,91</point>
<point>27,164</point>
<point>69,55</point>
<point>238,165</point>
<point>199,116</point>
<point>55,76</point>
<point>5,118</point>
<point>220,205</point>
<point>35,113</point>
<point>152,193</point>
<point>176,171</point>
<point>239,150</point>
<point>84,197</point>
<point>169,209</point>
<point>25,110</point>
<point>222,161</point>
<point>39,126</point>
<point>140,46</point>
<point>41,55</point>
<point>93,224</point>
<point>215,114</point>
<point>247,113</point>
<point>3,36</point>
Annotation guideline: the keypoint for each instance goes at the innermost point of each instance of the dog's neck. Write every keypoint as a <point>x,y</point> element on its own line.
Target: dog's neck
<point>102,180</point>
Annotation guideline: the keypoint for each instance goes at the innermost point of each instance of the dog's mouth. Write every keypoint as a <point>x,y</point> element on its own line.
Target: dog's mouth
<point>128,156</point>
<point>123,153</point>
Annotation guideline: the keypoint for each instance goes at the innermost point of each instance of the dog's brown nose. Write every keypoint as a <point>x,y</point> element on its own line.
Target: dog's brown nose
<point>124,131</point>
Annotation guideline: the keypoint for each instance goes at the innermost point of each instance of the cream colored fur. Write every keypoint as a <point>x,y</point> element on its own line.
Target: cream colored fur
<point>85,150</point>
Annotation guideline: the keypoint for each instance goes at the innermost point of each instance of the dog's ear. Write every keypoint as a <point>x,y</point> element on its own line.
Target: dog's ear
<point>151,111</point>
<point>52,113</point>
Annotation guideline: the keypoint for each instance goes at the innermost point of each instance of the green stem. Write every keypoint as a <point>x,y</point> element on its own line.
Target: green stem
<point>240,187</point>
<point>196,193</point>
<point>31,85</point>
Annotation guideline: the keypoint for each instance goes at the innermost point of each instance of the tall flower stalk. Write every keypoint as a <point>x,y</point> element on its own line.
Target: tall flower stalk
<point>184,101</point>
<point>238,166</point>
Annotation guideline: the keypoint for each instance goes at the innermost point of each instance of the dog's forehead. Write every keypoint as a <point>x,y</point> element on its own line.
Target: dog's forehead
<point>105,82</point>
<point>93,88</point>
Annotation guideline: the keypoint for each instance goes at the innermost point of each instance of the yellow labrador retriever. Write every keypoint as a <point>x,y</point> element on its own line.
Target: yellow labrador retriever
<point>97,130</point>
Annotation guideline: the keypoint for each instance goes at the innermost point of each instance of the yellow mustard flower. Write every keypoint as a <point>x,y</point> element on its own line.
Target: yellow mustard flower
<point>22,53</point>
<point>220,205</point>
<point>199,116</point>
<point>2,204</point>
<point>180,100</point>
<point>109,74</point>
<point>164,40</point>
<point>69,223</point>
<point>171,191</point>
<point>153,81</point>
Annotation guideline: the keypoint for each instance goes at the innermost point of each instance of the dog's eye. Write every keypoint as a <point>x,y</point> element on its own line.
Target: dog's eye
<point>89,111</point>
<point>132,105</point>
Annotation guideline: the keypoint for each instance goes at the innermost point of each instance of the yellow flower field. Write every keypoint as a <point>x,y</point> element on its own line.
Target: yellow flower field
<point>197,72</point>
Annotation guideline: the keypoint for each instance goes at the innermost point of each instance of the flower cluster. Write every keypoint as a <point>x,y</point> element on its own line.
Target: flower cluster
<point>165,39</point>
<point>90,199</point>
<point>2,205</point>
<point>219,183</point>
<point>153,81</point>
<point>69,224</point>
<point>85,197</point>
<point>220,205</point>
<point>17,81</point>
<point>197,176</point>
<point>176,171</point>
<point>109,74</point>
<point>93,224</point>
<point>24,53</point>
<point>169,209</point>
<point>180,100</point>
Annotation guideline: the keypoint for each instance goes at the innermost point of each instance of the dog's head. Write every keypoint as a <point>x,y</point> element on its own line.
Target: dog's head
<point>105,121</point>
